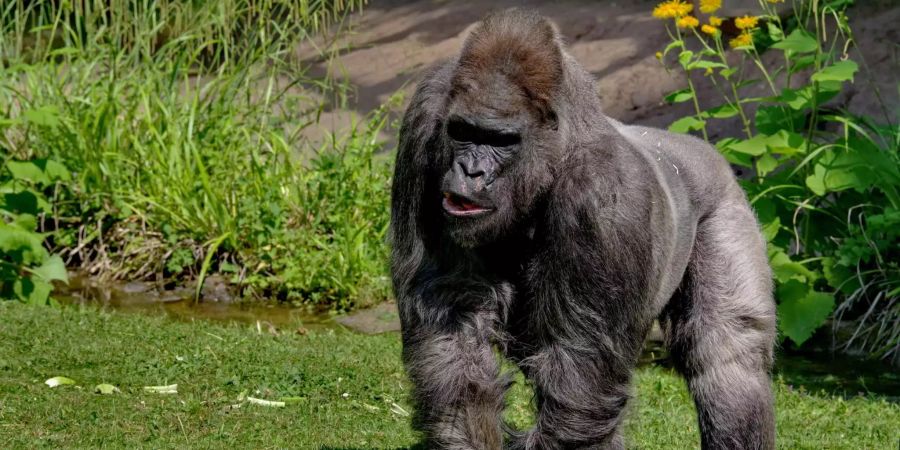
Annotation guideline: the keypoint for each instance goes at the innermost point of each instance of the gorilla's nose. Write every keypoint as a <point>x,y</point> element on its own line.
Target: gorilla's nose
<point>471,168</point>
<point>473,173</point>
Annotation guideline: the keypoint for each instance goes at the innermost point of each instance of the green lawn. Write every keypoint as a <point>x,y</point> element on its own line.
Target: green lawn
<point>348,390</point>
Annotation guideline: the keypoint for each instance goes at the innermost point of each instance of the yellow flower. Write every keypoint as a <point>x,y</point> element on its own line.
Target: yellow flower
<point>710,30</point>
<point>746,22</point>
<point>708,72</point>
<point>659,56</point>
<point>775,1</point>
<point>710,6</point>
<point>715,21</point>
<point>688,22</point>
<point>672,9</point>
<point>743,40</point>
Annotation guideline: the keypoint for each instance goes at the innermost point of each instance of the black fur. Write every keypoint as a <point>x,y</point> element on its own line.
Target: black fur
<point>562,236</point>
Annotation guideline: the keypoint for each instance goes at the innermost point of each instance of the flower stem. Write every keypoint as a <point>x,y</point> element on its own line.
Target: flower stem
<point>694,100</point>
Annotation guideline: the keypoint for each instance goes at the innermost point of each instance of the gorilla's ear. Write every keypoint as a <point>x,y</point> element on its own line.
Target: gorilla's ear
<point>523,46</point>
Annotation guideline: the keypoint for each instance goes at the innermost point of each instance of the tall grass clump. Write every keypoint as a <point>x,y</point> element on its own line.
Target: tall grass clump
<point>182,125</point>
<point>825,182</point>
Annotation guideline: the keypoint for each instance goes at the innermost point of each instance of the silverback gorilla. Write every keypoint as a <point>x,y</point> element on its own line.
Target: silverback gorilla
<point>525,222</point>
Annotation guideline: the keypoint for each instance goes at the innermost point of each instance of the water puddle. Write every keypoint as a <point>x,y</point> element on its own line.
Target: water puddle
<point>179,304</point>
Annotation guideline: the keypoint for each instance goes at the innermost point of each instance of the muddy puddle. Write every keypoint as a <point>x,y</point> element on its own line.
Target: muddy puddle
<point>179,304</point>
<point>815,370</point>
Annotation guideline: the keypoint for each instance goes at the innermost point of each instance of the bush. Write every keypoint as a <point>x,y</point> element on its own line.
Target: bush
<point>825,183</point>
<point>182,124</point>
<point>27,269</point>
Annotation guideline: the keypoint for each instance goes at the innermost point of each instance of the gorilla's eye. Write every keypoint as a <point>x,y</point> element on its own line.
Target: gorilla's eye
<point>461,131</point>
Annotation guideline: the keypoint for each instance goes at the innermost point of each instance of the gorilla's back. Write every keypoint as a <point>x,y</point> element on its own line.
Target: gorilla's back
<point>693,177</point>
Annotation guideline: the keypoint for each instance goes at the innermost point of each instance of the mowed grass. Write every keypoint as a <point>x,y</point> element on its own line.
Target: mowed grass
<point>348,391</point>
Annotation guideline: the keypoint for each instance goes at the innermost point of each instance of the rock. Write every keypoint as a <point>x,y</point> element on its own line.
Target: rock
<point>380,319</point>
<point>135,287</point>
<point>216,289</point>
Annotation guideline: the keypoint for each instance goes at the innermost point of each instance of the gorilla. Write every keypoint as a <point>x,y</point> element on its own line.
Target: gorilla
<point>527,225</point>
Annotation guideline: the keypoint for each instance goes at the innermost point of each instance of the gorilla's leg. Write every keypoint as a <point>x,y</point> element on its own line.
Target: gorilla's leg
<point>720,328</point>
<point>458,390</point>
<point>581,394</point>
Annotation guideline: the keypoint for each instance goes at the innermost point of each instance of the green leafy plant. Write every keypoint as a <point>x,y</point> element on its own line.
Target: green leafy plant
<point>183,125</point>
<point>825,183</point>
<point>27,269</point>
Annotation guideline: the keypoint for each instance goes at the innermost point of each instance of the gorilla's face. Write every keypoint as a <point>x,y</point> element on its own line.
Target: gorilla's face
<point>498,147</point>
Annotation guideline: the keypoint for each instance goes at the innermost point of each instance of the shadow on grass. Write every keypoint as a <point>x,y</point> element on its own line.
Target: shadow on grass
<point>817,371</point>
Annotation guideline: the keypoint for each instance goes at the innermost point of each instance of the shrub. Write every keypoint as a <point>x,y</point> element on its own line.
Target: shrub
<point>27,269</point>
<point>825,183</point>
<point>182,124</point>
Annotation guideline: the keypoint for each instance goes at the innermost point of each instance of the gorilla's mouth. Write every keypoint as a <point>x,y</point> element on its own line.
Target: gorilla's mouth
<point>459,206</point>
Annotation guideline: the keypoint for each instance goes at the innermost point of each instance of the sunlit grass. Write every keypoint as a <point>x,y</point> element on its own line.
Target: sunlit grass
<point>344,390</point>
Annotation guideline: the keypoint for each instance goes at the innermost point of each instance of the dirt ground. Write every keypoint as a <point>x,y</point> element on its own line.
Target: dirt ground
<point>392,41</point>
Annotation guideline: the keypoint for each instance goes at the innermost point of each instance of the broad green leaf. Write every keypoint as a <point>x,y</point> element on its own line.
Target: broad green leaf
<point>722,111</point>
<point>754,146</point>
<point>45,116</point>
<point>800,62</point>
<point>39,171</point>
<point>726,73</point>
<point>770,229</point>
<point>766,164</point>
<point>782,142</point>
<point>685,124</point>
<point>27,243</point>
<point>39,294</point>
<point>786,143</point>
<point>800,316</point>
<point>771,119</point>
<point>786,270</point>
<point>105,389</point>
<point>685,57</point>
<point>673,45</point>
<point>857,169</point>
<point>816,182</point>
<point>25,201</point>
<point>25,222</point>
<point>56,171</point>
<point>840,71</point>
<point>679,96</point>
<point>839,277</point>
<point>738,159</point>
<point>28,171</point>
<point>59,381</point>
<point>802,98</point>
<point>775,32</point>
<point>704,64</point>
<point>798,42</point>
<point>53,269</point>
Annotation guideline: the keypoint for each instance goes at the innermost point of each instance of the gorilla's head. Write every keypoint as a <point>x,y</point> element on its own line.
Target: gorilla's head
<point>501,129</point>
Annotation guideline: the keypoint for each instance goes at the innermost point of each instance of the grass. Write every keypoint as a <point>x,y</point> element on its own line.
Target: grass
<point>183,126</point>
<point>345,387</point>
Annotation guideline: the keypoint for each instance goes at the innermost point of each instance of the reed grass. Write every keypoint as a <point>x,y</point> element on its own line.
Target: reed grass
<point>183,125</point>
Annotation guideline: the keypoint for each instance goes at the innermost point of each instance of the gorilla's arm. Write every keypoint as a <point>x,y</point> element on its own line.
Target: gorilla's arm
<point>588,314</point>
<point>448,313</point>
